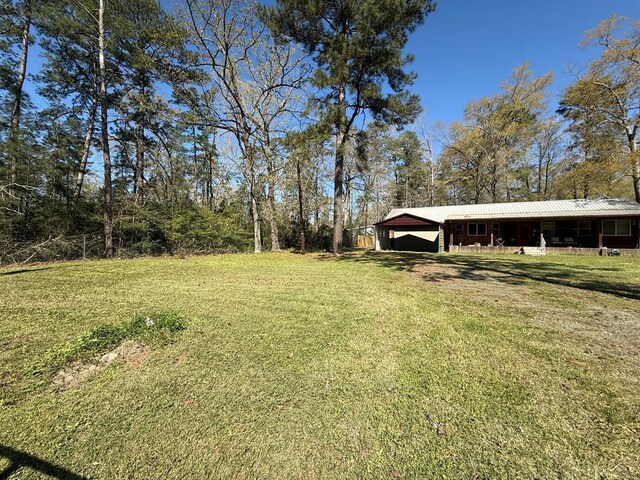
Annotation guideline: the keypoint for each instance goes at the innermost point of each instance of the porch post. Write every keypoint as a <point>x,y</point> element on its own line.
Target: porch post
<point>543,244</point>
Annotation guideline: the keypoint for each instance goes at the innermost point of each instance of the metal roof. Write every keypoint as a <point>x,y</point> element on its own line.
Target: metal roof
<point>602,207</point>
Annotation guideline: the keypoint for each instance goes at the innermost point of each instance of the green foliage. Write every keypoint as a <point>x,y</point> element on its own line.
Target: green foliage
<point>155,229</point>
<point>158,229</point>
<point>358,48</point>
<point>489,153</point>
<point>356,44</point>
<point>602,108</point>
<point>180,181</point>
<point>410,174</point>
<point>316,239</point>
<point>205,231</point>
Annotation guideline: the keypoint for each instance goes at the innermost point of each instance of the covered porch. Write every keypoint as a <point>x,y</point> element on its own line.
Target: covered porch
<point>582,233</point>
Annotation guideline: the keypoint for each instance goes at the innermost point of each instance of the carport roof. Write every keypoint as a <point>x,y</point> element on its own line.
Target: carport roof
<point>603,207</point>
<point>406,219</point>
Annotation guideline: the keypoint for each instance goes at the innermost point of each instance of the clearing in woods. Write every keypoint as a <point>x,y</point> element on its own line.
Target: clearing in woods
<point>377,365</point>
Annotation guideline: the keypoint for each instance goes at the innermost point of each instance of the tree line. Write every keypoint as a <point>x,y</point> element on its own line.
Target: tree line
<point>225,125</point>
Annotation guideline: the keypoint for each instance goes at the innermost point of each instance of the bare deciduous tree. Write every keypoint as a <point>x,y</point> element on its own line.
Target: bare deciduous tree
<point>256,80</point>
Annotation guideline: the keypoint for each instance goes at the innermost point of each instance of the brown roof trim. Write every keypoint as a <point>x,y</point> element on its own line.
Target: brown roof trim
<point>413,220</point>
<point>495,219</point>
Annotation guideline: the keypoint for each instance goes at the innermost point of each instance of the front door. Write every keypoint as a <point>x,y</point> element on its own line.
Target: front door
<point>524,236</point>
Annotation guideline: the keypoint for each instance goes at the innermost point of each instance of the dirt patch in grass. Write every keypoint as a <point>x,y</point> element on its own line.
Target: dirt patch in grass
<point>79,372</point>
<point>608,327</point>
<point>604,324</point>
<point>69,364</point>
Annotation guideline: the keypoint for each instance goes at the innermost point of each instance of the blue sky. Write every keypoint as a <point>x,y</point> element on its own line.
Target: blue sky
<point>466,48</point>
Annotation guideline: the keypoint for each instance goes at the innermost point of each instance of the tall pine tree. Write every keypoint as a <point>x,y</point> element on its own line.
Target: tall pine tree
<point>357,46</point>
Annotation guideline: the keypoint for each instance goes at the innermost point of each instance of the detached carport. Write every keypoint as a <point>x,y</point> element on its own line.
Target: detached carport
<point>409,233</point>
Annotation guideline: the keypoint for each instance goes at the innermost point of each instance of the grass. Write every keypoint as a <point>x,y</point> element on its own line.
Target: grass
<point>152,329</point>
<point>363,366</point>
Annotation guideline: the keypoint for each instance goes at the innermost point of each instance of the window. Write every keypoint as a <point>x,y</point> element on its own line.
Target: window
<point>477,229</point>
<point>608,227</point>
<point>616,227</point>
<point>496,230</point>
<point>549,228</point>
<point>584,228</point>
<point>623,227</point>
<point>458,229</point>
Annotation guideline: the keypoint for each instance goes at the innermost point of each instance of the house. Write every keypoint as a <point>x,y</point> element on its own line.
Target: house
<point>598,223</point>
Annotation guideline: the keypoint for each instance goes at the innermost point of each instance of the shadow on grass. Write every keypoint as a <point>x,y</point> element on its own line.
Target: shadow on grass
<point>512,269</point>
<point>24,270</point>
<point>19,460</point>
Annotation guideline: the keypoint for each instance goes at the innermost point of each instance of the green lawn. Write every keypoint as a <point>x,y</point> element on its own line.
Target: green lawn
<point>364,366</point>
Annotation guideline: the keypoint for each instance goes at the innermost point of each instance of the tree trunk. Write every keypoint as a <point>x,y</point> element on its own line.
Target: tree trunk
<point>196,169</point>
<point>209,195</point>
<point>376,208</point>
<point>16,109</point>
<point>253,193</point>
<point>585,188</point>
<point>507,183</point>
<point>104,123</point>
<point>546,177</point>
<point>86,149</point>
<point>539,177</point>
<point>494,180</point>
<point>433,183</point>
<point>271,200</point>
<point>338,173</point>
<point>477,187</point>
<point>636,179</point>
<point>316,205</point>
<point>138,184</point>
<point>257,237</point>
<point>635,161</point>
<point>347,203</point>
<point>300,207</point>
<point>406,190</point>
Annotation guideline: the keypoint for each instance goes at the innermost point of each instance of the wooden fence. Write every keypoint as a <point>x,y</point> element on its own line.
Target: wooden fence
<point>365,241</point>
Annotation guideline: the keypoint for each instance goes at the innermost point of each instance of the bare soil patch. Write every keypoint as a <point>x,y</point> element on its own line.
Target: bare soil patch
<point>79,372</point>
<point>607,326</point>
